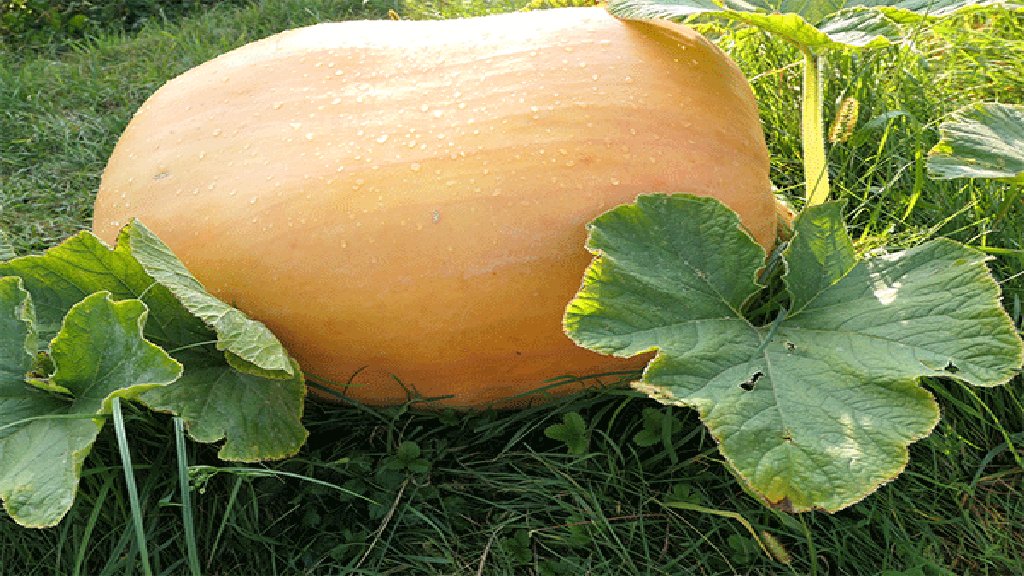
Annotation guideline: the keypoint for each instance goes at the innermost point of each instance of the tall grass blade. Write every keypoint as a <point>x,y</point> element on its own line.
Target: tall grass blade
<point>90,525</point>
<point>186,499</point>
<point>133,491</point>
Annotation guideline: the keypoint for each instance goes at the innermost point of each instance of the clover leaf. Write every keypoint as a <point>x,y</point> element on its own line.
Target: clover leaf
<point>984,140</point>
<point>47,427</point>
<point>817,409</point>
<point>572,431</point>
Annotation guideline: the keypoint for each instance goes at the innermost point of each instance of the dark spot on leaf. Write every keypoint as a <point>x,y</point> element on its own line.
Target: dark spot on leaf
<point>749,384</point>
<point>787,436</point>
<point>784,505</point>
<point>951,368</point>
<point>790,346</point>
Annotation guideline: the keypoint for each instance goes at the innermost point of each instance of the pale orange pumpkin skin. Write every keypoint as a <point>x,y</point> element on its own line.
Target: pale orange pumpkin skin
<point>407,200</point>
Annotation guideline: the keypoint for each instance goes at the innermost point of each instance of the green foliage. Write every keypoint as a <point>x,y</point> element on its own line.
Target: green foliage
<point>813,25</point>
<point>49,421</point>
<point>32,22</point>
<point>659,427</point>
<point>815,28</point>
<point>981,141</point>
<point>408,458</point>
<point>518,547</point>
<point>815,410</point>
<point>104,309</point>
<point>572,432</point>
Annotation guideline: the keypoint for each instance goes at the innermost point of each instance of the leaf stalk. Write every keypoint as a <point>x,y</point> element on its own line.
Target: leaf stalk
<point>813,129</point>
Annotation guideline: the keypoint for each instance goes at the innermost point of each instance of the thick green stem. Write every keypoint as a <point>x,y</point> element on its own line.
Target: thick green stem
<point>813,131</point>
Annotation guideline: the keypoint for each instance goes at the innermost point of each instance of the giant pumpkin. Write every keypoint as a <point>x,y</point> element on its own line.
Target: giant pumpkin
<point>404,203</point>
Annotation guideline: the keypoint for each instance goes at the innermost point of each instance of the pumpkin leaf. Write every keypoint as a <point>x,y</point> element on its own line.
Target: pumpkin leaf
<point>99,353</point>
<point>815,25</point>
<point>816,410</point>
<point>808,24</point>
<point>818,257</point>
<point>238,334</point>
<point>6,249</point>
<point>258,418</point>
<point>984,140</point>
<point>82,265</point>
<point>243,393</point>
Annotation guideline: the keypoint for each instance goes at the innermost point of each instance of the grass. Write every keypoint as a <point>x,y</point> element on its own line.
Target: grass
<point>399,491</point>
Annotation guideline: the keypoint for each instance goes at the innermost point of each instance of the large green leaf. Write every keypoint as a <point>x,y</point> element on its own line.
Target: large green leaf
<point>804,23</point>
<point>183,313</point>
<point>983,140</point>
<point>99,353</point>
<point>250,392</point>
<point>259,418</point>
<point>812,24</point>
<point>238,334</point>
<point>816,410</point>
<point>83,265</point>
